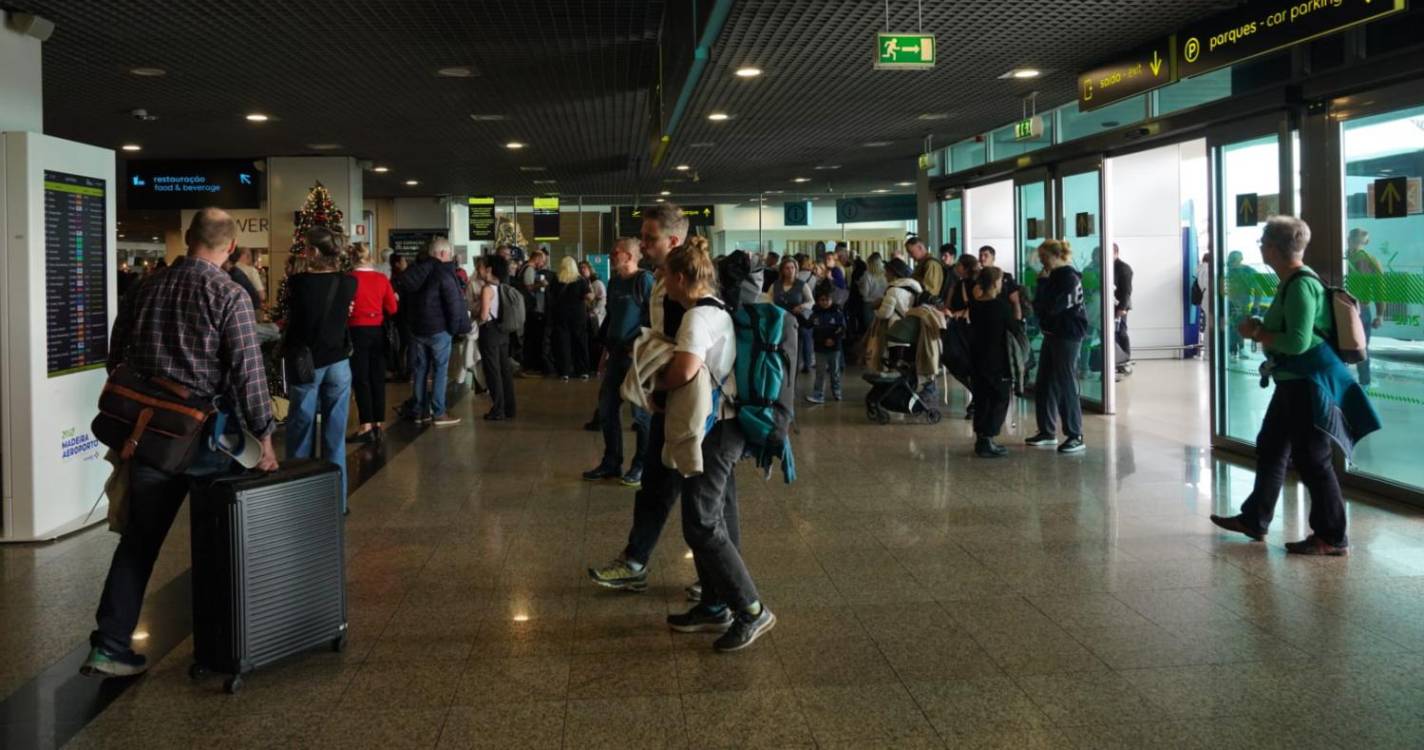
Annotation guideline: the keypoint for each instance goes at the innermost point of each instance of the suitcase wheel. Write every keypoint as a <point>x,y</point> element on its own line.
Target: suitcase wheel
<point>196,671</point>
<point>232,684</point>
<point>933,416</point>
<point>338,644</point>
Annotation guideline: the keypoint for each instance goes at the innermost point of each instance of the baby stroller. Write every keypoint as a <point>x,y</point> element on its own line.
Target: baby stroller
<point>895,389</point>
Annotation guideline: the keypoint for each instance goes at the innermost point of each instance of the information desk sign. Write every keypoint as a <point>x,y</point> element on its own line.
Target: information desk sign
<point>904,51</point>
<point>482,221</point>
<point>76,272</point>
<point>546,218</point>
<point>1136,73</point>
<point>1268,25</point>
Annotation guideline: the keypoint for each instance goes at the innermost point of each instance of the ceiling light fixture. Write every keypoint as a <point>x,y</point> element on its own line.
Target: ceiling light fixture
<point>876,144</point>
<point>131,147</point>
<point>148,72</point>
<point>412,183</point>
<point>904,184</point>
<point>934,116</point>
<point>665,192</point>
<point>719,117</point>
<point>529,168</point>
<point>682,167</point>
<point>748,72</point>
<point>381,170</point>
<point>701,144</point>
<point>800,179</point>
<point>455,71</point>
<point>825,167</point>
<point>487,118</point>
<point>257,117</point>
<point>660,200</point>
<point>1022,73</point>
<point>880,190</point>
<point>323,146</point>
<point>514,145</point>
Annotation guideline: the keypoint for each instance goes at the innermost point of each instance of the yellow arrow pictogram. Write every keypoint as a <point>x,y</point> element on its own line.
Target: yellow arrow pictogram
<point>1389,197</point>
<point>1247,210</point>
<point>1156,64</point>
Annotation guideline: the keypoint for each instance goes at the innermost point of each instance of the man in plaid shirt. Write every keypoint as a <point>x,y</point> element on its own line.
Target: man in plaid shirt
<point>193,324</point>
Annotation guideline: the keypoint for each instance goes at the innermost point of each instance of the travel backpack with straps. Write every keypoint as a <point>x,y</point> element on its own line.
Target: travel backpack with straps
<point>1347,328</point>
<point>766,385</point>
<point>511,308</point>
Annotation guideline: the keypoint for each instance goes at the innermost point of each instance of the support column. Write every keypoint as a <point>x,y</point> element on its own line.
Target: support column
<point>21,99</point>
<point>289,179</point>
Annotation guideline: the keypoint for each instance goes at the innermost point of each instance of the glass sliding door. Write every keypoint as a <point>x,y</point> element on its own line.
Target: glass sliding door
<point>1032,211</point>
<point>1383,264</point>
<point>951,221</point>
<point>1247,177</point>
<point>1080,222</point>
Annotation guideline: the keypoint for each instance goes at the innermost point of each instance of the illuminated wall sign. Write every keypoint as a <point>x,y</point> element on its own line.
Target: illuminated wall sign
<point>904,51</point>
<point>1133,74</point>
<point>482,221</point>
<point>1028,129</point>
<point>546,218</point>
<point>700,216</point>
<point>227,183</point>
<point>878,208</point>
<point>1261,27</point>
<point>630,218</point>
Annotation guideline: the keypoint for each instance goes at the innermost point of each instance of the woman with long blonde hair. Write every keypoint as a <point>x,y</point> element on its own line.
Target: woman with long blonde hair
<point>568,314</point>
<point>1058,303</point>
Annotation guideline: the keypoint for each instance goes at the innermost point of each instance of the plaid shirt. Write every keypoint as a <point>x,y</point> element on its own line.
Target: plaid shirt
<point>193,324</point>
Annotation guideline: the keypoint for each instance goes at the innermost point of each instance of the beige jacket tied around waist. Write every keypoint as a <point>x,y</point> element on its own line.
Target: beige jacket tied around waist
<point>687,407</point>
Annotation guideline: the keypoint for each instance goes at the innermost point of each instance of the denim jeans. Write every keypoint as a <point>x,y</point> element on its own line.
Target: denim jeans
<point>1288,437</point>
<point>331,393</point>
<point>610,407</point>
<point>830,364</point>
<point>431,351</point>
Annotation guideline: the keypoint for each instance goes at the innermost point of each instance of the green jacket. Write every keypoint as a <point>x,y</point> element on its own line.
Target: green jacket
<point>1295,318</point>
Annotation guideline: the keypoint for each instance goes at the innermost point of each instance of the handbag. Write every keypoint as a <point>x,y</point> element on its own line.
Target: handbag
<point>297,359</point>
<point>151,419</point>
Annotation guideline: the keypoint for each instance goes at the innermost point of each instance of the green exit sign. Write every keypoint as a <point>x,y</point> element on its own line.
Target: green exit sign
<point>1028,129</point>
<point>904,51</point>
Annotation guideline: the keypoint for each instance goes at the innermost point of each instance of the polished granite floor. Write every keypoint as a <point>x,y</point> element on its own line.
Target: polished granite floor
<point>925,599</point>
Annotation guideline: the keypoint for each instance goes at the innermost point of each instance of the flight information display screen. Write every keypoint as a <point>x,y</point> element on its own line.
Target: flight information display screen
<point>196,183</point>
<point>76,272</point>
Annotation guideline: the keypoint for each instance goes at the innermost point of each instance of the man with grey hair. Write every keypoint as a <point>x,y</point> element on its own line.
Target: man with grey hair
<point>431,295</point>
<point>1315,399</point>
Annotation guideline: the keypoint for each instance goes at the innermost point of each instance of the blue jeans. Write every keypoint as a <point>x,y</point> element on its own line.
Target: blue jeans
<point>829,363</point>
<point>331,391</point>
<point>430,351</point>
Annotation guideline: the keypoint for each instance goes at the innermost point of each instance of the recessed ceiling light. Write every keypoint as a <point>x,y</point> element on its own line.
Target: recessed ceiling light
<point>665,192</point>
<point>1024,73</point>
<point>719,117</point>
<point>121,236</point>
<point>660,200</point>
<point>934,116</point>
<point>748,72</point>
<point>825,167</point>
<point>455,71</point>
<point>904,184</point>
<point>701,144</point>
<point>876,144</point>
<point>682,167</point>
<point>528,168</point>
<point>381,170</point>
<point>323,146</point>
<point>800,179</point>
<point>514,145</point>
<point>880,190</point>
<point>257,117</point>
<point>131,147</point>
<point>545,182</point>
<point>487,118</point>
<point>148,72</point>
<point>412,183</point>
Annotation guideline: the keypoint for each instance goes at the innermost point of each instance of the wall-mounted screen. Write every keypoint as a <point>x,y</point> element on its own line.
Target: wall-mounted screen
<point>226,183</point>
<point>76,270</point>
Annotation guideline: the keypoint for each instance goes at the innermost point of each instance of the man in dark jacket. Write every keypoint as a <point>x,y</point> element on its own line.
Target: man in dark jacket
<point>430,293</point>
<point>1122,302</point>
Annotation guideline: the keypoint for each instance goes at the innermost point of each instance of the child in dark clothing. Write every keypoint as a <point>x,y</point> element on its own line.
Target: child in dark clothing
<point>828,327</point>
<point>990,315</point>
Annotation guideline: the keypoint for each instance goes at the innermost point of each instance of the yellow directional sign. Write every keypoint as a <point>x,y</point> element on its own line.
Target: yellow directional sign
<point>1391,198</point>
<point>1248,210</point>
<point>1142,70</point>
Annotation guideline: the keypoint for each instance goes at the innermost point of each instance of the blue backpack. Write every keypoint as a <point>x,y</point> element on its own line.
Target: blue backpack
<point>765,386</point>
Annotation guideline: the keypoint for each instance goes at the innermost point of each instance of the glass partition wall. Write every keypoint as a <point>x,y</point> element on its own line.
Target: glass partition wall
<point>1080,223</point>
<point>1033,209</point>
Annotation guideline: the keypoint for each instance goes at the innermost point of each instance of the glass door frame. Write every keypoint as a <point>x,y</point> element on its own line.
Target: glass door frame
<point>1061,171</point>
<point>1028,177</point>
<point>960,194</point>
<point>1280,125</point>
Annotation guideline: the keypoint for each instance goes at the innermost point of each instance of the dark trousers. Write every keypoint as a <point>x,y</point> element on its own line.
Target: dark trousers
<point>1289,435</point>
<point>662,488</point>
<point>991,405</point>
<point>499,370</point>
<point>570,338</point>
<point>1124,341</point>
<point>710,520</point>
<point>1056,387</point>
<point>610,409</point>
<point>368,373</point>
<point>533,347</point>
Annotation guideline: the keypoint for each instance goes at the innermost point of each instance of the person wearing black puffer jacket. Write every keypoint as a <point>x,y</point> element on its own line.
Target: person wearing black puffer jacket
<point>1058,304</point>
<point>431,294</point>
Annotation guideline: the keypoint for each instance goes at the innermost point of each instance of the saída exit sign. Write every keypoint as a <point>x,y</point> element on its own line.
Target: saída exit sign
<point>902,51</point>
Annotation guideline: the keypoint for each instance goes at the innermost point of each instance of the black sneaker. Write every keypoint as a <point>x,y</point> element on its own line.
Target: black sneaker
<point>633,479</point>
<point>1041,440</point>
<point>987,448</point>
<point>1072,445</point>
<point>105,663</point>
<point>600,473</point>
<point>701,619</point>
<point>745,630</point>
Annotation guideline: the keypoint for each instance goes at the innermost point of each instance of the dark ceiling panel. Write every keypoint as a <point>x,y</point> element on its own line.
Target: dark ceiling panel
<point>572,78</point>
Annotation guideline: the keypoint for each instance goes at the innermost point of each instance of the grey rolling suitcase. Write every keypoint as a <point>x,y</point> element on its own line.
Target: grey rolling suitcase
<point>269,575</point>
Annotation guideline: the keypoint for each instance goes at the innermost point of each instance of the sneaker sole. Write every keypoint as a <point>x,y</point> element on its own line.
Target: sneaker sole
<point>1072,451</point>
<point>92,671</point>
<point>631,485</point>
<point>619,585</point>
<point>763,630</point>
<point>703,627</point>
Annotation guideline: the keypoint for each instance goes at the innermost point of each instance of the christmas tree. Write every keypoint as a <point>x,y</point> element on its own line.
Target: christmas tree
<point>319,211</point>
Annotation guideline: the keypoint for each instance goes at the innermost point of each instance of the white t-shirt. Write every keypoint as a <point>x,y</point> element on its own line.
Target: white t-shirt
<point>707,333</point>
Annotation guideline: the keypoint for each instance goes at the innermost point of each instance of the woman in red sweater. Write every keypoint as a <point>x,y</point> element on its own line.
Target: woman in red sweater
<point>375,299</point>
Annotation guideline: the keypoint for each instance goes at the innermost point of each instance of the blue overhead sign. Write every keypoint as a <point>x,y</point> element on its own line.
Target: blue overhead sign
<point>227,183</point>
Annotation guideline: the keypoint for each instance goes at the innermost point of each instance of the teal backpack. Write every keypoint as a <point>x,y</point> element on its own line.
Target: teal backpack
<point>766,387</point>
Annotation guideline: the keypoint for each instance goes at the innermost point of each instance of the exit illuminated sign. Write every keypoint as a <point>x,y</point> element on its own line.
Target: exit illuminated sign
<point>1028,129</point>
<point>900,51</point>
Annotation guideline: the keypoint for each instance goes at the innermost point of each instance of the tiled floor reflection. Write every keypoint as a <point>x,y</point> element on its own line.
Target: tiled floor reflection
<point>926,599</point>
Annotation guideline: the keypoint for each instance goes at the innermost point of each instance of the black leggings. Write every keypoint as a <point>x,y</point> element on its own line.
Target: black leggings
<point>368,372</point>
<point>499,370</point>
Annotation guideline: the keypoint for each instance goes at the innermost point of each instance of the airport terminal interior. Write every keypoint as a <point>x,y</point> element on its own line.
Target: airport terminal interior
<point>911,590</point>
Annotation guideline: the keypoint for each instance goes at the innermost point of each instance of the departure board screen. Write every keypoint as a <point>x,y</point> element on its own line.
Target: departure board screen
<point>76,272</point>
